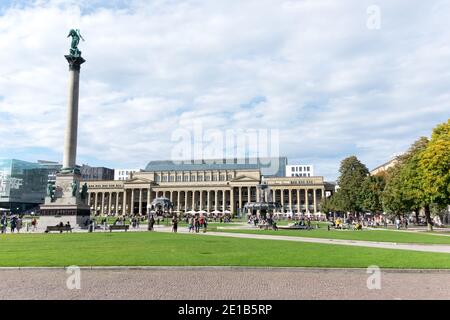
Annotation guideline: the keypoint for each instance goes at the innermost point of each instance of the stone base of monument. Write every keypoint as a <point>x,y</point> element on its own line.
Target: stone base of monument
<point>66,205</point>
<point>53,218</point>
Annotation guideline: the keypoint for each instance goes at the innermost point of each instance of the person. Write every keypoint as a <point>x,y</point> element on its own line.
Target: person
<point>308,223</point>
<point>197,225</point>
<point>13,224</point>
<point>205,224</point>
<point>174,224</point>
<point>151,223</point>
<point>19,224</point>
<point>33,224</point>
<point>406,223</point>
<point>4,222</point>
<point>68,226</point>
<point>397,223</point>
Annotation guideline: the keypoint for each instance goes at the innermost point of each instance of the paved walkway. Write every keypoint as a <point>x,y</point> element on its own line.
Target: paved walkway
<point>222,284</point>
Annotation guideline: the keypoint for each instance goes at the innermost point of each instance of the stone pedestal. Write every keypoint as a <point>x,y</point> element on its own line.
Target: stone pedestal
<point>67,205</point>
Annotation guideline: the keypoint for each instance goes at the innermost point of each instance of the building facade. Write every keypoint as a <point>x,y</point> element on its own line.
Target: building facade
<point>300,170</point>
<point>96,173</point>
<point>22,184</point>
<point>209,188</point>
<point>124,174</point>
<point>385,166</point>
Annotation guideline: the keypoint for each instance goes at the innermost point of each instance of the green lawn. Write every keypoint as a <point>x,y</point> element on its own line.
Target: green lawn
<point>166,249</point>
<point>367,235</point>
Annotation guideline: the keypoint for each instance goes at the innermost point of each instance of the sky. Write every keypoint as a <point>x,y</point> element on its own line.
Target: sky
<point>331,78</point>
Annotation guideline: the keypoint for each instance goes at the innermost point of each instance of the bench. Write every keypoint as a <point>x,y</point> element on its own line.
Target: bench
<point>118,227</point>
<point>295,227</point>
<point>58,228</point>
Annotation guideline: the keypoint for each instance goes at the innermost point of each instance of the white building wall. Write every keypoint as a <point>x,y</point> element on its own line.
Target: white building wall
<point>124,174</point>
<point>300,170</point>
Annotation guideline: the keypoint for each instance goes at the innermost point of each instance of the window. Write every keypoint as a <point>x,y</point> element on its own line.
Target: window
<point>179,178</point>
<point>230,177</point>
<point>300,168</point>
<point>293,174</point>
<point>193,178</point>
<point>222,177</point>
<point>164,178</point>
<point>186,178</point>
<point>200,178</point>
<point>214,178</point>
<point>172,178</point>
<point>208,178</point>
<point>293,168</point>
<point>308,168</point>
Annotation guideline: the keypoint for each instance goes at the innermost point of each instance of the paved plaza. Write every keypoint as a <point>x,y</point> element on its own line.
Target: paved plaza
<point>222,284</point>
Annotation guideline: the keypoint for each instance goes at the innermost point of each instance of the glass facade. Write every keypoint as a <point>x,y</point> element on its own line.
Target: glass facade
<point>269,166</point>
<point>22,184</point>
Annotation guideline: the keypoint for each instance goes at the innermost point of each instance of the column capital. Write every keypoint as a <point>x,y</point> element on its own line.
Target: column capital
<point>74,62</point>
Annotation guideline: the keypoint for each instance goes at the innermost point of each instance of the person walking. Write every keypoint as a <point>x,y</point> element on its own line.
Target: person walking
<point>174,224</point>
<point>151,223</point>
<point>13,224</point>
<point>4,222</point>
<point>33,224</point>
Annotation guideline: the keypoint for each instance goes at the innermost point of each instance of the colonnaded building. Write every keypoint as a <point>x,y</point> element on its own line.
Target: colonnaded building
<point>210,186</point>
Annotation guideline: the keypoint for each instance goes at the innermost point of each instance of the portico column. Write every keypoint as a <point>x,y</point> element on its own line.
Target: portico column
<point>116,209</point>
<point>315,200</point>
<point>149,193</point>
<point>208,200</point>
<point>249,198</point>
<point>102,211</point>
<point>178,200</point>
<point>201,200</point>
<point>124,202</point>
<point>216,199</point>
<point>298,201</point>
<point>290,200</point>
<point>282,200</point>
<point>132,202</point>
<point>232,204</point>
<point>224,195</point>
<point>193,200</point>
<point>140,201</point>
<point>109,202</point>
<point>240,200</point>
<point>95,202</point>
<point>306,201</point>
<point>185,200</point>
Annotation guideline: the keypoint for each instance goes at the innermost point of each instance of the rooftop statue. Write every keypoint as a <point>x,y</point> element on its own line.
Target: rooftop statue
<point>76,36</point>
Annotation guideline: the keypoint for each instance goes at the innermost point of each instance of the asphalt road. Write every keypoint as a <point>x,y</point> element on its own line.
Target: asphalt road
<point>221,284</point>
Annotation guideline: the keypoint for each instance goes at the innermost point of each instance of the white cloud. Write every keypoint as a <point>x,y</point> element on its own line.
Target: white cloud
<point>330,85</point>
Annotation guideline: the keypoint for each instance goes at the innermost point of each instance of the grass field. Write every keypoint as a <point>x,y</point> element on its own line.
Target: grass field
<point>166,249</point>
<point>365,235</point>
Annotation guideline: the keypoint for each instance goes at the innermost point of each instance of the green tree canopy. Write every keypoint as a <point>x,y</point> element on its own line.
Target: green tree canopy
<point>352,174</point>
<point>434,163</point>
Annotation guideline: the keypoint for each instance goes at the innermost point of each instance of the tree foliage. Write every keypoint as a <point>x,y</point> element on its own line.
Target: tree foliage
<point>352,174</point>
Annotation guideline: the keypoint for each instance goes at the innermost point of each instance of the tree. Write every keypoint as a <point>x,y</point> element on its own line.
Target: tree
<point>434,163</point>
<point>352,175</point>
<point>393,198</point>
<point>371,190</point>
<point>403,192</point>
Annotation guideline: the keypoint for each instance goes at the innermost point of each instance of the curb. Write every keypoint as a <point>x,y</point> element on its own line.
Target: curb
<point>225,268</point>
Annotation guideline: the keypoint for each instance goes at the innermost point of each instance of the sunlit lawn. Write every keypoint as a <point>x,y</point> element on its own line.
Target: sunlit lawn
<point>368,235</point>
<point>168,249</point>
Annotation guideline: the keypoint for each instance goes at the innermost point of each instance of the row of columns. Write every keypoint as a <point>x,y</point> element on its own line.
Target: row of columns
<point>136,200</point>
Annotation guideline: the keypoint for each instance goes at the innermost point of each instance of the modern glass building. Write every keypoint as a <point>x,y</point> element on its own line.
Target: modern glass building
<point>270,167</point>
<point>22,184</point>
